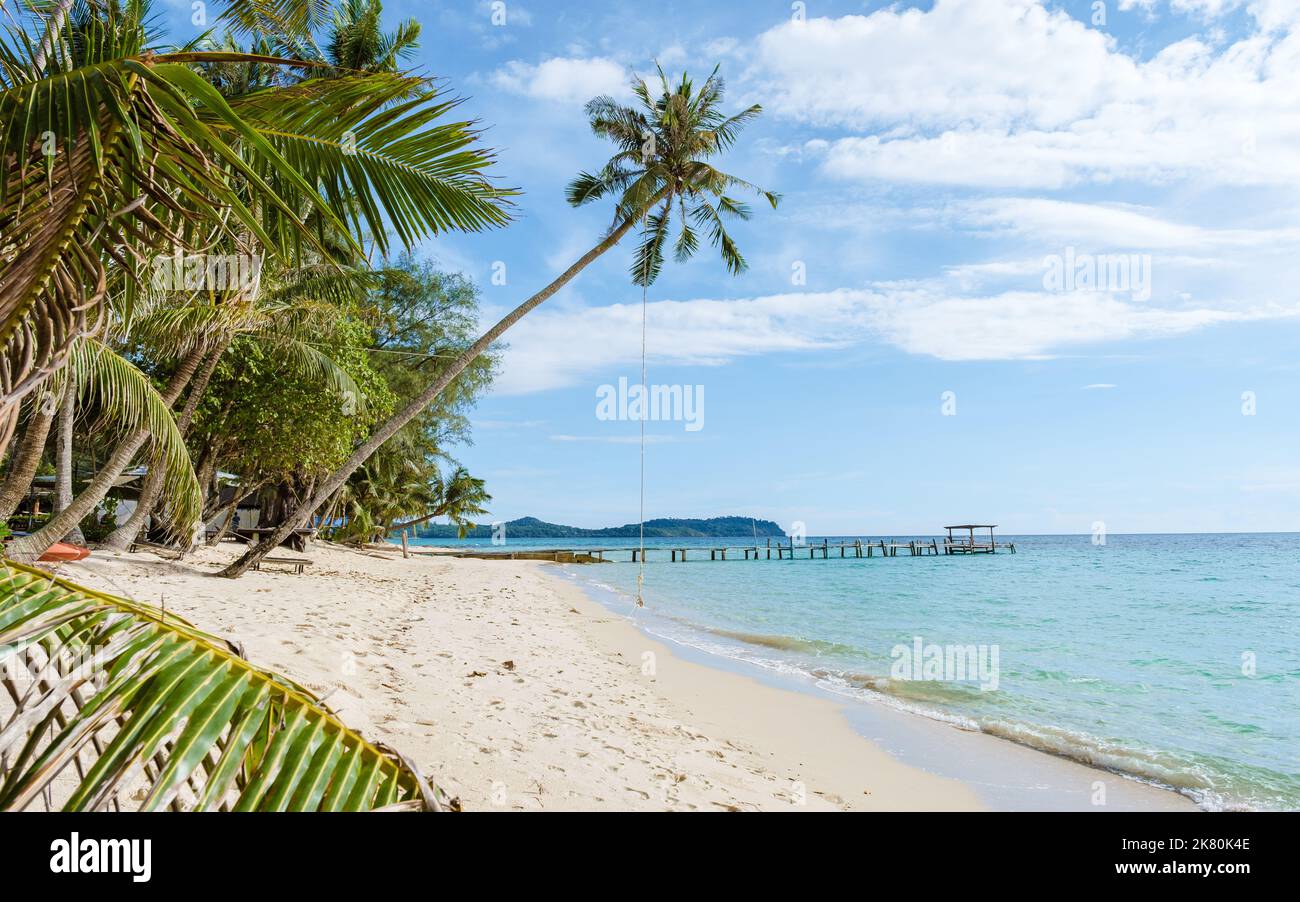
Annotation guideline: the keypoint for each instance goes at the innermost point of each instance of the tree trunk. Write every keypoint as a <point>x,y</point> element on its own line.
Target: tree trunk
<point>121,538</point>
<point>331,508</point>
<point>299,515</point>
<point>63,460</point>
<point>226,513</point>
<point>9,427</point>
<point>52,30</point>
<point>211,485</point>
<point>27,456</point>
<point>32,546</point>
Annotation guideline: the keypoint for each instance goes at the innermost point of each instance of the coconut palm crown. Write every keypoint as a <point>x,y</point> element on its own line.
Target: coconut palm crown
<point>664,145</point>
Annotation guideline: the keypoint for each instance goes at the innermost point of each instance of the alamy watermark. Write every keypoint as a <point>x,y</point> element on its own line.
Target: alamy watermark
<point>75,855</point>
<point>946,663</point>
<point>668,403</point>
<point>1121,273</point>
<point>22,666</point>
<point>206,272</point>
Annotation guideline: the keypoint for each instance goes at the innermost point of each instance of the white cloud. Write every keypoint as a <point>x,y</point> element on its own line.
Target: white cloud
<point>979,61</point>
<point>543,354</point>
<point>1112,225</point>
<point>672,55</point>
<point>1007,93</point>
<point>1273,15</point>
<point>562,79</point>
<point>920,318</point>
<point>1268,13</point>
<point>1026,325</point>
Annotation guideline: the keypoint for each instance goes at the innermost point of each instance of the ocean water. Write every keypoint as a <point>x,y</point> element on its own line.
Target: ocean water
<point>1174,659</point>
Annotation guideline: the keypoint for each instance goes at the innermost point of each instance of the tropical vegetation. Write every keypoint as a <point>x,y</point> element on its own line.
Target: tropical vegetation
<point>102,685</point>
<point>209,299</point>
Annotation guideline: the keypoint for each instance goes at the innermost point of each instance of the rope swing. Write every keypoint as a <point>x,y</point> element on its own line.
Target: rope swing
<point>645,404</point>
<point>640,574</point>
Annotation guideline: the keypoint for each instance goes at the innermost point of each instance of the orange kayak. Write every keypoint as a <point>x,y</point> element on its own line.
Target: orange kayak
<point>62,551</point>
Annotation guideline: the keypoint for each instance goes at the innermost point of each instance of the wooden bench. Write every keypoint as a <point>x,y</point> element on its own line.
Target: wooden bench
<point>298,563</point>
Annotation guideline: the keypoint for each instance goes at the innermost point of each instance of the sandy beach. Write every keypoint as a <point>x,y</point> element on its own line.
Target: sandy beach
<point>513,690</point>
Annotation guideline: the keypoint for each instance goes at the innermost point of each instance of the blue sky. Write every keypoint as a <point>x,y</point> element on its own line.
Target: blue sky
<point>933,158</point>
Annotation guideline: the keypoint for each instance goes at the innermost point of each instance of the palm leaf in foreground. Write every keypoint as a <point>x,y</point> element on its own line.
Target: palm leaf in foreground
<point>149,710</point>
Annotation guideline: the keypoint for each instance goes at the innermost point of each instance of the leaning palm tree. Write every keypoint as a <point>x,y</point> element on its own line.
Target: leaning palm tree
<point>114,150</point>
<point>459,497</point>
<point>663,161</point>
<point>117,398</point>
<point>42,410</point>
<point>198,331</point>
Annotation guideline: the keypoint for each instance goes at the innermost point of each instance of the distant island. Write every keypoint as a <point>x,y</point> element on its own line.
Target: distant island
<point>533,528</point>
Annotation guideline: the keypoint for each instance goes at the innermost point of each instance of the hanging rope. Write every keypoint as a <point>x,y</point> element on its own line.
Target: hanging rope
<point>640,575</point>
<point>645,404</point>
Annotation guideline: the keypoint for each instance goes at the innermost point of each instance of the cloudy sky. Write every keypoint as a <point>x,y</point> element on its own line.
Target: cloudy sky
<point>916,341</point>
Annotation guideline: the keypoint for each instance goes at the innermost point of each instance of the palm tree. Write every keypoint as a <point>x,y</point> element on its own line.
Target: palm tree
<point>279,319</point>
<point>125,400</point>
<point>27,454</point>
<point>664,147</point>
<point>140,154</point>
<point>63,466</point>
<point>148,157</point>
<point>377,497</point>
<point>357,43</point>
<point>459,497</point>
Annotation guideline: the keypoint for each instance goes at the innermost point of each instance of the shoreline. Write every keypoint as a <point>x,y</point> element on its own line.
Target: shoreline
<point>1006,775</point>
<point>514,689</point>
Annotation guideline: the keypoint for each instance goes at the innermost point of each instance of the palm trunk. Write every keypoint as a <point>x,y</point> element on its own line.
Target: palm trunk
<point>331,507</point>
<point>63,460</point>
<point>7,430</point>
<point>298,516</point>
<point>226,513</point>
<point>206,472</point>
<point>32,546</point>
<point>27,457</point>
<point>151,492</point>
<point>52,30</point>
<point>420,521</point>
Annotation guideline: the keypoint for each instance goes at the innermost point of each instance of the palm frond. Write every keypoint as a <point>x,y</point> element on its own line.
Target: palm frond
<point>587,187</point>
<point>288,21</point>
<point>380,157</point>
<point>727,131</point>
<point>731,207</point>
<point>303,360</point>
<point>706,216</point>
<point>124,398</point>
<point>144,707</point>
<point>648,259</point>
<point>109,163</point>
<point>688,242</point>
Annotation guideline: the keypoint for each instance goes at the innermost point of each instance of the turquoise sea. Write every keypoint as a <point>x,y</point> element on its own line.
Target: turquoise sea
<point>1174,659</point>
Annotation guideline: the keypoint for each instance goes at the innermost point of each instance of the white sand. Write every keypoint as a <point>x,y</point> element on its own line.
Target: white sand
<point>513,690</point>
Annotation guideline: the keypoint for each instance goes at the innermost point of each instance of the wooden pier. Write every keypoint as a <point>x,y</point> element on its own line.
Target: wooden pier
<point>825,550</point>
